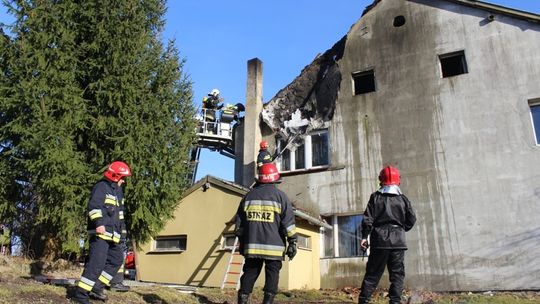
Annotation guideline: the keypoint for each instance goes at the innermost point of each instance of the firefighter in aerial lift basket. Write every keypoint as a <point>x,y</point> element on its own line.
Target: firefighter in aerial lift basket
<point>211,103</point>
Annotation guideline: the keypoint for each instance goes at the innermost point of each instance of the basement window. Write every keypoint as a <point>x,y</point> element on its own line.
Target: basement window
<point>344,239</point>
<point>228,242</point>
<point>453,64</point>
<point>534,105</point>
<point>175,243</point>
<point>312,153</point>
<point>364,82</point>
<point>303,241</point>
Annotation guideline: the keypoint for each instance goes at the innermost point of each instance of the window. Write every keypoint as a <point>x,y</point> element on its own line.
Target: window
<point>228,241</point>
<point>344,239</point>
<point>364,82</point>
<point>319,149</point>
<point>303,241</point>
<point>535,117</point>
<point>311,153</point>
<point>170,243</point>
<point>453,64</point>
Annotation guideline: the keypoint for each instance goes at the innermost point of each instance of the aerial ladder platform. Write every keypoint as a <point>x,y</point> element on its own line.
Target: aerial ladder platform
<point>215,132</point>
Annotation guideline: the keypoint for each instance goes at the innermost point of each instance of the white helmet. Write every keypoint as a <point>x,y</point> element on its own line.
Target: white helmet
<point>215,92</point>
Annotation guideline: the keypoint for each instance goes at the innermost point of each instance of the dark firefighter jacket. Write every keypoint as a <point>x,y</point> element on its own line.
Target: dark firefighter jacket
<point>106,209</point>
<point>264,157</point>
<point>264,220</point>
<point>387,218</point>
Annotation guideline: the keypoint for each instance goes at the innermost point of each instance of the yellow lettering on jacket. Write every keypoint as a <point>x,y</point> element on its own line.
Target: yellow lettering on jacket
<point>260,216</point>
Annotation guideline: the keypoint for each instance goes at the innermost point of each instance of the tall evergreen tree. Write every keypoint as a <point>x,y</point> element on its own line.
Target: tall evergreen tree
<point>90,82</point>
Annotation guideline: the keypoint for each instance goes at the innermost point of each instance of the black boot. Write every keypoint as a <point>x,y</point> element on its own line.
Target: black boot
<point>80,296</point>
<point>119,287</point>
<point>98,295</point>
<point>268,298</point>
<point>243,298</point>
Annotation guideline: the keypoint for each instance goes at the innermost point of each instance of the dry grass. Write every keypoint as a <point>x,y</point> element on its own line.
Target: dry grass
<point>18,286</point>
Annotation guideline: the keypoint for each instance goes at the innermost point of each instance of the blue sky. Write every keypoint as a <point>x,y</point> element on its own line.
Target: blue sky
<point>218,37</point>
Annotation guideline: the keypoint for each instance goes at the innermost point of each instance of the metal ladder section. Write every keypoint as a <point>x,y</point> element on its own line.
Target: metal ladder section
<point>233,261</point>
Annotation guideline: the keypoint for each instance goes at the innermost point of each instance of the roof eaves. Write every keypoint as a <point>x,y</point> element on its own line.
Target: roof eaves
<point>208,179</point>
<point>311,219</point>
<point>532,17</point>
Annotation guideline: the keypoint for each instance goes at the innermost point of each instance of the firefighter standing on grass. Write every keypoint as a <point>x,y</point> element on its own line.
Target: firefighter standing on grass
<point>104,228</point>
<point>388,215</point>
<point>264,222</point>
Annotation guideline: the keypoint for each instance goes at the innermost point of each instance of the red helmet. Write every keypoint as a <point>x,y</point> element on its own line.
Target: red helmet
<point>268,173</point>
<point>116,171</point>
<point>263,144</point>
<point>389,176</point>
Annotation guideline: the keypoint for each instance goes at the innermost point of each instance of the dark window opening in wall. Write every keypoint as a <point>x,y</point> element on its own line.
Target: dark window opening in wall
<point>300,161</point>
<point>453,64</point>
<point>535,117</point>
<point>319,149</point>
<point>364,82</point>
<point>286,160</point>
<point>399,21</point>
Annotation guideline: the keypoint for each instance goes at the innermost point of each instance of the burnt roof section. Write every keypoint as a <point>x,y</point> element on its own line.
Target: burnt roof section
<point>313,93</point>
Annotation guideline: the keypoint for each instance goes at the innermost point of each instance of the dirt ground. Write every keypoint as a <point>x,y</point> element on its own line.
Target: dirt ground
<point>26,281</point>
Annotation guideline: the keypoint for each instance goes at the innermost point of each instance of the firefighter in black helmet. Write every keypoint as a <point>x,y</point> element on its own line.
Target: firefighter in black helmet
<point>264,225</point>
<point>104,229</point>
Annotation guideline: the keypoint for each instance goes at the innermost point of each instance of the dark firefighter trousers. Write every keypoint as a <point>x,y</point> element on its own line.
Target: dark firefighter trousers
<point>119,276</point>
<point>105,258</point>
<point>378,260</point>
<point>252,268</point>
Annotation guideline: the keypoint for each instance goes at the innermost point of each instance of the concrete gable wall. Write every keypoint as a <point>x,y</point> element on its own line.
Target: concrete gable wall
<point>464,144</point>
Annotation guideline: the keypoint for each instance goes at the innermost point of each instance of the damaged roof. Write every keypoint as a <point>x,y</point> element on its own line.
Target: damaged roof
<point>308,102</point>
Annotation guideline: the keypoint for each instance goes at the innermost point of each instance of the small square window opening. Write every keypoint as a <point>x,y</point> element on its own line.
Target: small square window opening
<point>364,82</point>
<point>453,64</point>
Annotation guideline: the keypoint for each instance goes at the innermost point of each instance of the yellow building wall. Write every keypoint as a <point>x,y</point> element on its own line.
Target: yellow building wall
<point>303,271</point>
<point>202,216</point>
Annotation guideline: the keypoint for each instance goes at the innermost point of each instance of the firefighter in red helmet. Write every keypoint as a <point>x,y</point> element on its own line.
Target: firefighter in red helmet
<point>388,215</point>
<point>105,225</point>
<point>265,224</point>
<point>264,156</point>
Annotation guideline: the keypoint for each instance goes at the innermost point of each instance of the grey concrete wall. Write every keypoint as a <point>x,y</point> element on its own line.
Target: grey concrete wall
<point>464,144</point>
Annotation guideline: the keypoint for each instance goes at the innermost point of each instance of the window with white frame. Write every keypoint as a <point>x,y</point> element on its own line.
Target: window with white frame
<point>344,239</point>
<point>170,243</point>
<point>534,105</point>
<point>313,152</point>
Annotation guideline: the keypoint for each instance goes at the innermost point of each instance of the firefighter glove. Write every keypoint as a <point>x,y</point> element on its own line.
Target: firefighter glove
<point>291,250</point>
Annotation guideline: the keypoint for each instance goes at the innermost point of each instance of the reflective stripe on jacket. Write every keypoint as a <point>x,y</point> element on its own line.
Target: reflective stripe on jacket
<point>105,208</point>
